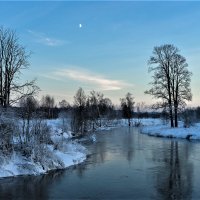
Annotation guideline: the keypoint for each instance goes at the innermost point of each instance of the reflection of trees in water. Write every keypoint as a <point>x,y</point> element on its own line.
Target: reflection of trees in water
<point>128,149</point>
<point>80,169</point>
<point>28,187</point>
<point>174,179</point>
<point>113,144</point>
<point>99,152</point>
<point>117,141</point>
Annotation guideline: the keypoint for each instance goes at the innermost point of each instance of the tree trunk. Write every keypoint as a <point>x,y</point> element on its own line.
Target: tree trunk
<point>1,86</point>
<point>176,115</point>
<point>176,101</point>
<point>171,113</point>
<point>176,120</point>
<point>1,72</point>
<point>171,117</point>
<point>8,91</point>
<point>5,90</point>
<point>170,99</point>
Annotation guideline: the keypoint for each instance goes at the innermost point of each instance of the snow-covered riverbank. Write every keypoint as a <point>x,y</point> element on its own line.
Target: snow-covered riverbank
<point>155,127</point>
<point>62,153</point>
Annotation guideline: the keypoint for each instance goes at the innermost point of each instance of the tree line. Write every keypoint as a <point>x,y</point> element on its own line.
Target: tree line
<point>170,84</point>
<point>23,125</point>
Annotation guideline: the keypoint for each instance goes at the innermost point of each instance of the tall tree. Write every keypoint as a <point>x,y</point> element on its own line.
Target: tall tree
<point>80,98</point>
<point>127,105</point>
<point>79,120</point>
<point>13,59</point>
<point>171,80</point>
<point>64,104</point>
<point>96,99</point>
<point>48,103</point>
<point>28,108</point>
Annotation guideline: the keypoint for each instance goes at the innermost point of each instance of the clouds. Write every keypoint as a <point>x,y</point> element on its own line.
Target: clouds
<point>96,81</point>
<point>45,40</point>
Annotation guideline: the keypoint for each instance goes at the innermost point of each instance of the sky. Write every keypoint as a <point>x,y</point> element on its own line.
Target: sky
<point>102,46</point>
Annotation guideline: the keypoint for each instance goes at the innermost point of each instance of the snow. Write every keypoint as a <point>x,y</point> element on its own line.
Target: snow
<point>93,138</point>
<point>57,128</point>
<point>154,127</point>
<point>149,121</point>
<point>66,154</point>
<point>19,165</point>
<point>157,128</point>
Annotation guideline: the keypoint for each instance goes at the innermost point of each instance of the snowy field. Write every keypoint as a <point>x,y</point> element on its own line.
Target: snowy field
<point>69,153</point>
<point>156,127</point>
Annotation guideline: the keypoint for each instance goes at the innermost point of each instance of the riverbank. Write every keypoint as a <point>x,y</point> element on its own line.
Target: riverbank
<point>65,152</point>
<point>159,129</point>
<point>62,153</point>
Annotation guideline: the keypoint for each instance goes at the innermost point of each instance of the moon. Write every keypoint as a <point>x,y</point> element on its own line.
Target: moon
<point>80,25</point>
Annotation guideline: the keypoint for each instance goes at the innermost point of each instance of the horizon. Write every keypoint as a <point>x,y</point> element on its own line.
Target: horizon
<point>102,46</point>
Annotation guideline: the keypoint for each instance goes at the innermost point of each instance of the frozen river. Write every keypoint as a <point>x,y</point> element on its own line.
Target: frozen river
<point>123,164</point>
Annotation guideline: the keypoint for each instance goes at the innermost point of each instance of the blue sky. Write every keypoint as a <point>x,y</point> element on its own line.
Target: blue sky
<point>109,51</point>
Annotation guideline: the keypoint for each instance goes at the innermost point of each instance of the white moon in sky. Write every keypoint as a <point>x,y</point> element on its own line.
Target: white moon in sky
<point>80,25</point>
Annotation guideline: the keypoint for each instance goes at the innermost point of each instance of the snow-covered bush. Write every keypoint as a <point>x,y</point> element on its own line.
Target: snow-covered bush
<point>8,127</point>
<point>38,137</point>
<point>43,155</point>
<point>34,129</point>
<point>65,118</point>
<point>40,131</point>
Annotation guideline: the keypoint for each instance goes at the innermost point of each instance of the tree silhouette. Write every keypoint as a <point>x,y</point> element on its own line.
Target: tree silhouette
<point>171,80</point>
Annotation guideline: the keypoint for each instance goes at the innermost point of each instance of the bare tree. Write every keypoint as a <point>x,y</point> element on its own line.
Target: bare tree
<point>13,59</point>
<point>64,114</point>
<point>79,120</point>
<point>171,80</point>
<point>64,104</point>
<point>48,104</point>
<point>127,105</point>
<point>96,99</point>
<point>106,107</point>
<point>28,106</point>
<point>80,98</point>
<point>34,132</point>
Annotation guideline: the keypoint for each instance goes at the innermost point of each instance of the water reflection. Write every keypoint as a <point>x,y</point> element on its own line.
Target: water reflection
<point>123,164</point>
<point>98,151</point>
<point>80,169</point>
<point>128,144</point>
<point>174,177</point>
<point>28,187</point>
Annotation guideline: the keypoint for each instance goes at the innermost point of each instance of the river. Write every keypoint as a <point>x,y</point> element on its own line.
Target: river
<point>123,164</point>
